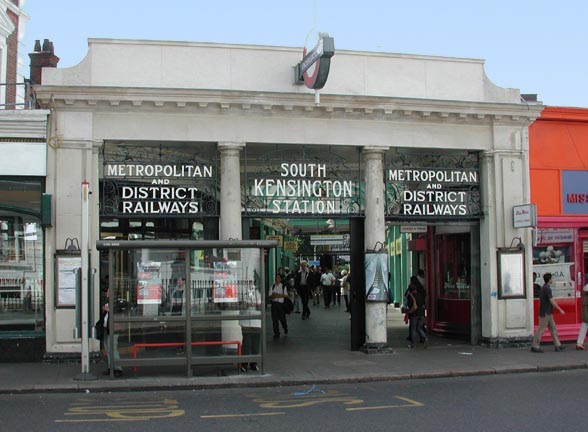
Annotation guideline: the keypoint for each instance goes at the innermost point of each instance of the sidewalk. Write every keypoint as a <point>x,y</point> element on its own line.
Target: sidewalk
<point>315,351</point>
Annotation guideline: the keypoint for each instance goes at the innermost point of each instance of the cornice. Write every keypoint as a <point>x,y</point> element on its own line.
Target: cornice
<point>23,123</point>
<point>285,104</point>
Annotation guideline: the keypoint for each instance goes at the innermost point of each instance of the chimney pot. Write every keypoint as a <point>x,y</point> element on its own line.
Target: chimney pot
<point>37,46</point>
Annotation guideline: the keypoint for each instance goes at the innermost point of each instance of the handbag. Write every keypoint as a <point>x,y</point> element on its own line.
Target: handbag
<point>288,306</point>
<point>99,329</point>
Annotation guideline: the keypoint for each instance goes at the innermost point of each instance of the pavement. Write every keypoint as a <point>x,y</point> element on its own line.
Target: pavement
<point>316,351</point>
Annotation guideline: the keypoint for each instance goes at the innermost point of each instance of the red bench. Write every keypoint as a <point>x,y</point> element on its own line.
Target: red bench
<point>181,344</point>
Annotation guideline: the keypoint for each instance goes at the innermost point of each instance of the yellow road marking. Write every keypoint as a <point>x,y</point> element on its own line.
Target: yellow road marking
<point>213,416</point>
<point>102,420</point>
<point>131,411</point>
<point>411,404</point>
<point>308,400</point>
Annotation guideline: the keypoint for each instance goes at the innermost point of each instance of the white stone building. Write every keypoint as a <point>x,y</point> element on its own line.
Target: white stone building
<point>135,103</point>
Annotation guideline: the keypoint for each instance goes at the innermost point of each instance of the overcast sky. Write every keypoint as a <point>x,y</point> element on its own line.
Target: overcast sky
<point>536,46</point>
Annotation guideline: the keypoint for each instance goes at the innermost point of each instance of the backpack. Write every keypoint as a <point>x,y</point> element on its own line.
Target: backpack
<point>288,306</point>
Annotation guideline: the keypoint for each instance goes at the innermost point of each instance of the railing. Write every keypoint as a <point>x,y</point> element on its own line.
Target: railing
<point>28,96</point>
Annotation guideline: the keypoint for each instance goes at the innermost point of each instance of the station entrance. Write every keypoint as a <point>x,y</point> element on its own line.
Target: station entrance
<point>310,201</point>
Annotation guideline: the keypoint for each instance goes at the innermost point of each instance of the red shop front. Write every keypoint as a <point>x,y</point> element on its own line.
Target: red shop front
<point>558,143</point>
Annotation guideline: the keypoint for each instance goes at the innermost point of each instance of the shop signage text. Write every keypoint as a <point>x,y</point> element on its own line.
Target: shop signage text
<point>302,188</point>
<point>524,216</point>
<point>161,196</point>
<point>433,192</point>
<point>561,235</point>
<point>574,193</point>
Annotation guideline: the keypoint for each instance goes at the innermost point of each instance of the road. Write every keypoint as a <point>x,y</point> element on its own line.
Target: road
<point>554,401</point>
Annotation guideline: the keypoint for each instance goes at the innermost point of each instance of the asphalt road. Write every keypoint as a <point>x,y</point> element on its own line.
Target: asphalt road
<point>536,402</point>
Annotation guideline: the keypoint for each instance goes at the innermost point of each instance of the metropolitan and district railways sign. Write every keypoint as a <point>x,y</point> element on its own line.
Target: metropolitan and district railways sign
<point>158,189</point>
<point>441,192</point>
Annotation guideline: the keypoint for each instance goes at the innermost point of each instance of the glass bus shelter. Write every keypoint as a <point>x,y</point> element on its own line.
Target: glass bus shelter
<point>184,302</point>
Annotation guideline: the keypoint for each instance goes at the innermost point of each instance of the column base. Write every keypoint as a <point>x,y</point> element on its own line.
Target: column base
<point>376,348</point>
<point>502,342</point>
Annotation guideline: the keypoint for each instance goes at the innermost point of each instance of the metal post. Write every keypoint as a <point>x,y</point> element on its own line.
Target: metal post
<point>85,354</point>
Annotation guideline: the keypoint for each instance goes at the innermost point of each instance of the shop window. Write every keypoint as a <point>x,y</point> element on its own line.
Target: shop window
<point>556,259</point>
<point>21,274</point>
<point>21,194</point>
<point>453,265</point>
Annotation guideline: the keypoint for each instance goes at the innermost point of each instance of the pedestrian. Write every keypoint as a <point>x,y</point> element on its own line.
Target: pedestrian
<point>416,300</point>
<point>303,284</point>
<point>316,285</point>
<point>277,295</point>
<point>336,288</point>
<point>546,305</point>
<point>251,328</point>
<point>327,282</point>
<point>584,327</point>
<point>106,339</point>
<point>345,285</point>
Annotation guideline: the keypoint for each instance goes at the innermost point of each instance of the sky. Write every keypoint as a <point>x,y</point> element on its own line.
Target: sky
<point>537,46</point>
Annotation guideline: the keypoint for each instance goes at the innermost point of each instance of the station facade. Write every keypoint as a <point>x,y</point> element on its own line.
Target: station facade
<point>215,141</point>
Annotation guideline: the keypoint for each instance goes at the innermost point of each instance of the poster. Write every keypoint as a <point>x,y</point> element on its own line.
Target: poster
<point>149,284</point>
<point>225,282</point>
<point>67,280</point>
<point>376,277</point>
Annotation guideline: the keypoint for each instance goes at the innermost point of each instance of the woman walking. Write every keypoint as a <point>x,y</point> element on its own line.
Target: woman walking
<point>584,327</point>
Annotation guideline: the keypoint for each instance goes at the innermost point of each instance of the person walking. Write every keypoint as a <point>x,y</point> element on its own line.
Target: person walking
<point>416,299</point>
<point>546,306</point>
<point>251,328</point>
<point>327,282</point>
<point>277,296</point>
<point>106,339</point>
<point>345,285</point>
<point>584,327</point>
<point>303,284</point>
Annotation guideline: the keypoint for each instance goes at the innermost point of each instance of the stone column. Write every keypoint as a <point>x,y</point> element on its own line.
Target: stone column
<point>230,190</point>
<point>230,218</point>
<point>375,231</point>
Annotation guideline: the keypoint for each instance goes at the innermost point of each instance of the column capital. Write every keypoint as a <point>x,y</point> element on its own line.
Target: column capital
<point>374,152</point>
<point>231,145</point>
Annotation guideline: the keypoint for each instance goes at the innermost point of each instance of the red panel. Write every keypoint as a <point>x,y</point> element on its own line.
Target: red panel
<point>567,325</point>
<point>546,191</point>
<point>454,311</point>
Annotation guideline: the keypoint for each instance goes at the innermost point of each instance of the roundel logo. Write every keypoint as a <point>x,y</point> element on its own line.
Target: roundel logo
<point>316,63</point>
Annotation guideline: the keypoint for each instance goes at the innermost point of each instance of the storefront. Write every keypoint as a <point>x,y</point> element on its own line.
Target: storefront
<point>190,141</point>
<point>558,143</point>
<point>25,210</point>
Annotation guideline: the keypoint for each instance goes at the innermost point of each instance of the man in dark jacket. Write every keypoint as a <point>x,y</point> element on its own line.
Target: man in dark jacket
<point>303,285</point>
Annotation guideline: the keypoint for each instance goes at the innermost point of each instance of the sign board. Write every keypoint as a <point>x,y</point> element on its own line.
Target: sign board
<point>573,192</point>
<point>291,245</point>
<point>559,235</point>
<point>413,228</point>
<point>314,67</point>
<point>278,238</point>
<point>332,240</point>
<point>67,282</point>
<point>524,216</point>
